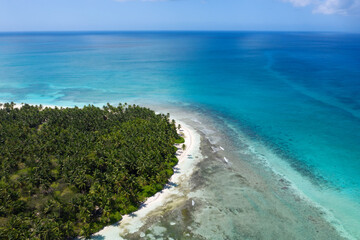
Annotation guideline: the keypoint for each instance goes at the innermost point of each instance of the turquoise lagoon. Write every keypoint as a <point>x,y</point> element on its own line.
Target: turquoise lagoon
<point>296,94</point>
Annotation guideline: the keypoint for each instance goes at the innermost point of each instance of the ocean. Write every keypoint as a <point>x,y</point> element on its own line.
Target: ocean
<point>292,97</point>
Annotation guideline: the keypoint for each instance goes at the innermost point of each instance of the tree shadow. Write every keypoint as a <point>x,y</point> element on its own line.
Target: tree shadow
<point>170,185</point>
<point>132,215</point>
<point>97,237</point>
<point>116,224</point>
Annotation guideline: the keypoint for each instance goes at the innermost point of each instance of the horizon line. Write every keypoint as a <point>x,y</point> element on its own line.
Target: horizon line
<point>174,31</point>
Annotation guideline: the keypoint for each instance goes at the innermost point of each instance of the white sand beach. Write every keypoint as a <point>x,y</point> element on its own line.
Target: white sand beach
<point>165,199</point>
<point>169,197</point>
<point>213,189</point>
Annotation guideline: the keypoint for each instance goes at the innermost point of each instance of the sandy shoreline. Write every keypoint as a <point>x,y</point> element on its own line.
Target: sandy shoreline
<point>220,185</point>
<point>238,195</point>
<point>187,160</point>
<point>154,205</point>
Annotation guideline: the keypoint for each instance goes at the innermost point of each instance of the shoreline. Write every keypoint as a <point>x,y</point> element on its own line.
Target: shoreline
<point>166,204</point>
<point>187,161</point>
<point>261,177</point>
<point>170,195</point>
<point>177,191</point>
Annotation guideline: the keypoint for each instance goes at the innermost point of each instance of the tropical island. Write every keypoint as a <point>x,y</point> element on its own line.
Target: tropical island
<point>68,172</point>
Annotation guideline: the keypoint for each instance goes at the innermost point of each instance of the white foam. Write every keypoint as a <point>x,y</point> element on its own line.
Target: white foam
<point>197,121</point>
<point>214,149</point>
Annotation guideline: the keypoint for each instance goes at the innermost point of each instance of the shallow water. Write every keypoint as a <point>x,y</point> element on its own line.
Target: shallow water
<point>241,198</point>
<point>293,98</point>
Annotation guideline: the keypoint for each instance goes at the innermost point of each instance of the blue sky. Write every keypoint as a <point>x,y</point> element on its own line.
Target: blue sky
<point>269,15</point>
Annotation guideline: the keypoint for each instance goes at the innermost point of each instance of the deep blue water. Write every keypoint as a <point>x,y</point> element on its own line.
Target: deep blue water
<point>297,93</point>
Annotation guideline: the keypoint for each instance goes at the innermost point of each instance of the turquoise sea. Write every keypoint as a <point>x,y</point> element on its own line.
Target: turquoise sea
<point>295,94</point>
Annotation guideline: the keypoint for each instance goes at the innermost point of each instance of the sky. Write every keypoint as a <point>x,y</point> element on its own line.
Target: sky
<point>227,15</point>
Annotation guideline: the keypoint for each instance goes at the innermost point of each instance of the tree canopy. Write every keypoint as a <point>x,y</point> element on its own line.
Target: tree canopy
<point>67,172</point>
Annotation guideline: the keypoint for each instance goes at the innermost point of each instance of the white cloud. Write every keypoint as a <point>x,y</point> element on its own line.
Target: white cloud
<point>339,7</point>
<point>344,7</point>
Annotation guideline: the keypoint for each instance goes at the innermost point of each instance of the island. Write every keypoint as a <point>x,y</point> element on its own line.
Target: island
<point>68,172</point>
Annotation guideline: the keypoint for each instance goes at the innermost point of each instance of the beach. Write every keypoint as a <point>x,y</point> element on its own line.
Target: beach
<point>212,188</point>
<point>229,186</point>
<point>170,197</point>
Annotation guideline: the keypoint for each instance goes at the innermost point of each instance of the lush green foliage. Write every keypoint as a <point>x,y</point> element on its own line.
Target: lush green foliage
<point>68,171</point>
<point>180,140</point>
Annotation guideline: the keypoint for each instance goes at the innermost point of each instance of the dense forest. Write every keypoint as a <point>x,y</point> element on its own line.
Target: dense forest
<point>68,172</point>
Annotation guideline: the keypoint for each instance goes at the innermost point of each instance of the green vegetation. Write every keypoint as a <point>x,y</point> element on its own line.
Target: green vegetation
<point>183,147</point>
<point>180,140</point>
<point>67,172</point>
